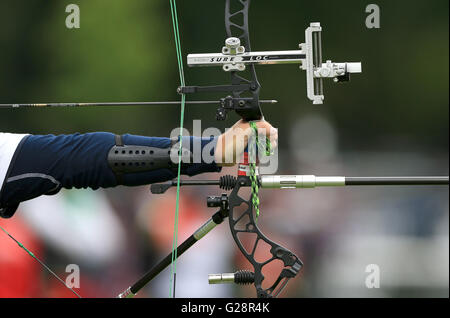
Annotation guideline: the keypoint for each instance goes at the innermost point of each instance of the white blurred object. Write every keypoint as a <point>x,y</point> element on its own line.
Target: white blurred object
<point>78,223</point>
<point>405,262</point>
<point>313,139</point>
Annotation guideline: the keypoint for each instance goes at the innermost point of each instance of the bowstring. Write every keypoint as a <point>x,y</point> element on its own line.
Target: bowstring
<point>30,253</point>
<point>173,268</point>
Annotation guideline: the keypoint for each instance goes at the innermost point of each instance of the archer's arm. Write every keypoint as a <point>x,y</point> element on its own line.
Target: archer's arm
<point>45,164</point>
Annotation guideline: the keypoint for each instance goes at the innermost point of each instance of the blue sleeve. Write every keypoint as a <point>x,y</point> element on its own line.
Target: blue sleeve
<point>45,164</point>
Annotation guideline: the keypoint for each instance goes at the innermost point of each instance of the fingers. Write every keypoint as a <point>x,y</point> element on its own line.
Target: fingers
<point>232,143</point>
<point>264,128</point>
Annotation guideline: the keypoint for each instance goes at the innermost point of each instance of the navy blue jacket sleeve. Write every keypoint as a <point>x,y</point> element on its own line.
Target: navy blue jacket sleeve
<point>45,164</point>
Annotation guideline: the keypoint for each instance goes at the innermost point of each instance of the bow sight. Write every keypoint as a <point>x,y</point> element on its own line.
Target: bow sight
<point>234,58</point>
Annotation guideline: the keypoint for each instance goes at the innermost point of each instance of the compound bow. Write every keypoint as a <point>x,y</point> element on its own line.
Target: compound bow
<point>236,56</point>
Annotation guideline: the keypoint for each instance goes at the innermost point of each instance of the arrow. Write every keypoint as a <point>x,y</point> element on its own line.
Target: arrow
<point>96,104</point>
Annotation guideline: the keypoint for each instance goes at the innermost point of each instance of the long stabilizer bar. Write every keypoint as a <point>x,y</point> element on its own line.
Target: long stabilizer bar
<point>307,181</point>
<point>311,181</point>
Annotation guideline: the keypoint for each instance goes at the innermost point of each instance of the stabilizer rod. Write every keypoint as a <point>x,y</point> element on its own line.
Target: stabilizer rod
<point>307,181</point>
<point>216,219</point>
<point>311,181</point>
<point>396,181</point>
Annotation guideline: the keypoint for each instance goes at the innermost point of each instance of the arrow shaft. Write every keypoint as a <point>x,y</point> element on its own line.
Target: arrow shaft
<point>97,104</point>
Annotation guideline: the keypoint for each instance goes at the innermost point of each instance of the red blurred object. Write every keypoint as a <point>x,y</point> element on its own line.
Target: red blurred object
<point>20,274</point>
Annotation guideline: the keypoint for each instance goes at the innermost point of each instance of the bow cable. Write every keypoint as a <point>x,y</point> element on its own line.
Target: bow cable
<point>253,150</point>
<point>173,268</point>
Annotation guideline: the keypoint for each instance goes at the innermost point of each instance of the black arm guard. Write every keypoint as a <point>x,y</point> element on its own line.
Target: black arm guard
<point>133,158</point>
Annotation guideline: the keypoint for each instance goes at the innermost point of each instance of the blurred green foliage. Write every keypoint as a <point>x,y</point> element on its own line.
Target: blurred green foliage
<point>124,51</point>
